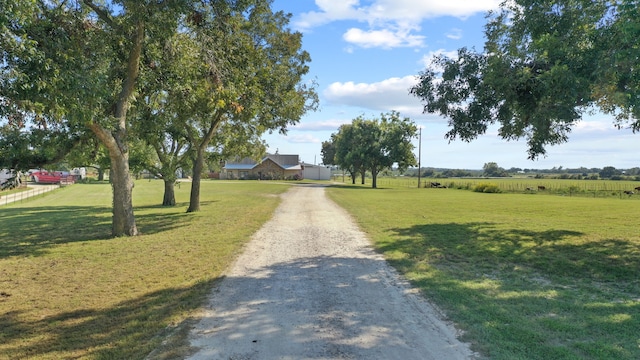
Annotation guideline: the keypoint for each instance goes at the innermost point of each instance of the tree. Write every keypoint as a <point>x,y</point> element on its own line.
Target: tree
<point>633,171</point>
<point>617,90</point>
<point>375,145</point>
<point>77,63</point>
<point>492,169</point>
<point>609,171</point>
<point>346,154</point>
<point>328,153</point>
<point>160,124</point>
<point>393,146</point>
<point>249,80</point>
<point>24,149</point>
<point>544,64</point>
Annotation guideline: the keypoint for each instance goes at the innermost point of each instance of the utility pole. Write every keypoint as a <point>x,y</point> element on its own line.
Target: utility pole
<point>419,153</point>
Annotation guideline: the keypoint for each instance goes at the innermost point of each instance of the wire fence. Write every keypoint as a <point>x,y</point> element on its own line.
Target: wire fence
<point>561,187</point>
<point>18,197</point>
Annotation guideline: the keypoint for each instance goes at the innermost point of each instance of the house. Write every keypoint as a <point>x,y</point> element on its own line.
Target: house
<point>271,167</point>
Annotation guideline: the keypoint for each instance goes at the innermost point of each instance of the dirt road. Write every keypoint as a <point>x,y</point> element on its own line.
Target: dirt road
<point>309,286</point>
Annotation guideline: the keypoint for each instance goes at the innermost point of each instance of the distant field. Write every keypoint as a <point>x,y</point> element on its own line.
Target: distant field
<point>525,276</point>
<point>566,187</point>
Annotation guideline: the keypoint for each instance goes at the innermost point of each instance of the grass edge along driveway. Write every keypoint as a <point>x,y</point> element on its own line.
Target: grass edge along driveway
<point>526,277</point>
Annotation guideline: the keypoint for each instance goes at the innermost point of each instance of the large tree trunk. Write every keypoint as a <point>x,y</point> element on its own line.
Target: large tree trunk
<point>198,165</point>
<point>124,222</point>
<point>374,177</point>
<point>169,198</point>
<point>362,175</point>
<point>198,162</point>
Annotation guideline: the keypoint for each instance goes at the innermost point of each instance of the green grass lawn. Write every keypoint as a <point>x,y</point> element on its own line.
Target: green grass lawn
<point>525,276</point>
<point>68,290</point>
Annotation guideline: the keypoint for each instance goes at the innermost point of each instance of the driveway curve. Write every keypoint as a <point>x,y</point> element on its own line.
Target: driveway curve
<point>310,286</point>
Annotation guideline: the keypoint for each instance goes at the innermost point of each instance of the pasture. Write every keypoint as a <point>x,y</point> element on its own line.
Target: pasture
<point>562,187</point>
<point>525,277</point>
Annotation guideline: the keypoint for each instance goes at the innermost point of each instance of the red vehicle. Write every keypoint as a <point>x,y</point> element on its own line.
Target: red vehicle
<point>50,177</point>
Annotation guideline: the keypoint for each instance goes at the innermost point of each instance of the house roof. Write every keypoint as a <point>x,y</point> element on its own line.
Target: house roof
<point>293,167</point>
<point>239,166</point>
<point>283,160</point>
<point>287,162</point>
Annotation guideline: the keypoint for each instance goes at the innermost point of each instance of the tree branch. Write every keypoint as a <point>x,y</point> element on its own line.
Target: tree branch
<point>133,68</point>
<point>102,13</point>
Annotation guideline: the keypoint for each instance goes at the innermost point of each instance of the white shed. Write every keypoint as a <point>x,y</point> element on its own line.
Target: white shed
<point>316,172</point>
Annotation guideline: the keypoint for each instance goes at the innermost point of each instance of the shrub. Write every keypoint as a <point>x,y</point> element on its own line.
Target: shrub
<point>574,189</point>
<point>487,188</point>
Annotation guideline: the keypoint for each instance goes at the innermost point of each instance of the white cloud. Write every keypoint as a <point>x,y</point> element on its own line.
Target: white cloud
<point>598,126</point>
<point>330,10</point>
<point>327,125</point>
<point>303,139</point>
<point>385,38</point>
<point>455,34</point>
<point>386,95</point>
<point>395,11</point>
<point>392,23</point>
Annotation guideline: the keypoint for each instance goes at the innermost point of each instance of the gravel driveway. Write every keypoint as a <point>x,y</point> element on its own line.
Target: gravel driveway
<point>309,286</point>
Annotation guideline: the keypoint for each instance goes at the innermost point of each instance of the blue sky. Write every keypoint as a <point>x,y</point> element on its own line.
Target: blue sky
<point>365,57</point>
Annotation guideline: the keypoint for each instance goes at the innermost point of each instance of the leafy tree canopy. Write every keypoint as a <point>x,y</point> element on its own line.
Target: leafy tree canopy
<point>491,169</point>
<point>96,65</point>
<point>328,153</point>
<point>545,63</point>
<point>375,144</point>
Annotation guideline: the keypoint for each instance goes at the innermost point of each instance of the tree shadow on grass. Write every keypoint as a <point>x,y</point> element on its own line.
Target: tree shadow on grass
<point>31,230</point>
<point>550,251</point>
<point>531,294</point>
<point>127,330</point>
<point>179,205</point>
<point>356,187</point>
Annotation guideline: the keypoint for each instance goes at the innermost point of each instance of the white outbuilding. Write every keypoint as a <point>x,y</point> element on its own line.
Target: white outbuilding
<point>316,172</point>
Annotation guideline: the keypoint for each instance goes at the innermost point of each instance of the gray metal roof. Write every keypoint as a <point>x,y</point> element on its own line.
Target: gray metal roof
<point>287,162</point>
<point>239,166</point>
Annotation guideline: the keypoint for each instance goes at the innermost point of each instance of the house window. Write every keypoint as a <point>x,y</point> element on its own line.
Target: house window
<point>244,175</point>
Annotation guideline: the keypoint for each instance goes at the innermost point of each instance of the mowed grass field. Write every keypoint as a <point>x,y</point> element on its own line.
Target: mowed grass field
<point>69,291</point>
<point>524,276</point>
